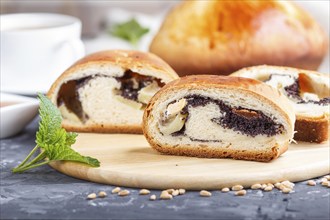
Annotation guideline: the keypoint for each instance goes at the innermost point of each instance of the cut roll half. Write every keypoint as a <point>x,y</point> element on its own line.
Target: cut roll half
<point>108,91</point>
<point>308,92</point>
<point>219,117</point>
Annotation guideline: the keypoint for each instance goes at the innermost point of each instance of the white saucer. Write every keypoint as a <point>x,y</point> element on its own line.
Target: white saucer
<point>27,84</point>
<point>29,90</point>
<point>17,115</point>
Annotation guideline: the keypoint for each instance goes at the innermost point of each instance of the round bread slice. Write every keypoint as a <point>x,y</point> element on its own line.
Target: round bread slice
<point>108,91</point>
<point>219,116</point>
<point>308,92</point>
<point>220,37</point>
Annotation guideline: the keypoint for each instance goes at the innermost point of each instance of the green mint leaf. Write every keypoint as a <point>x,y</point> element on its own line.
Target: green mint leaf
<point>130,31</point>
<point>70,138</point>
<point>65,153</point>
<point>54,141</point>
<point>50,123</point>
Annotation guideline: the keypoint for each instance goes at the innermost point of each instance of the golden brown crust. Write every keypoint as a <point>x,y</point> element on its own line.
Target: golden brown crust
<point>132,129</point>
<point>126,59</point>
<point>220,37</point>
<point>254,87</point>
<point>208,152</point>
<point>279,68</point>
<point>309,128</point>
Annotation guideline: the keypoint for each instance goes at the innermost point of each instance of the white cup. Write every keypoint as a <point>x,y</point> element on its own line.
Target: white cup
<point>36,48</point>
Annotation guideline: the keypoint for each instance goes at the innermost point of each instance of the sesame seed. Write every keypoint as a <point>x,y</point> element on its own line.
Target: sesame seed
<point>144,192</point>
<point>311,183</point>
<point>115,190</point>
<point>123,192</point>
<point>324,180</point>
<point>205,193</point>
<point>277,185</point>
<point>182,191</point>
<point>237,187</point>
<point>170,191</point>
<point>175,193</point>
<point>268,188</point>
<point>256,186</point>
<point>288,184</point>
<point>324,183</point>
<point>102,194</point>
<point>271,185</point>
<point>240,193</point>
<point>165,195</point>
<point>91,196</point>
<point>286,190</point>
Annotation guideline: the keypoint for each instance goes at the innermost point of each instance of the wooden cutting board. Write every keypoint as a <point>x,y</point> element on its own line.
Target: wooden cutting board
<point>127,160</point>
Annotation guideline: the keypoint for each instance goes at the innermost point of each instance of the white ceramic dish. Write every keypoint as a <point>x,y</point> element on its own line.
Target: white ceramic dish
<point>36,48</point>
<point>17,114</point>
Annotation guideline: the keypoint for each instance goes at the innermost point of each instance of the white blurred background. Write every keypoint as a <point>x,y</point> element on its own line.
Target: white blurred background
<point>97,16</point>
<point>93,13</point>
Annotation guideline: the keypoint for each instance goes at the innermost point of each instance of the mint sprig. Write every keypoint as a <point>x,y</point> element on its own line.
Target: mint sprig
<point>53,141</point>
<point>130,31</point>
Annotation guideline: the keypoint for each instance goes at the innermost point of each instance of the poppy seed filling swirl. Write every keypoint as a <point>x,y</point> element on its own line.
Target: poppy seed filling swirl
<point>245,121</point>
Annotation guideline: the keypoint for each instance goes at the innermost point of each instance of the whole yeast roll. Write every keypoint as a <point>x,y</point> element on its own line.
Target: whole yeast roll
<point>220,37</point>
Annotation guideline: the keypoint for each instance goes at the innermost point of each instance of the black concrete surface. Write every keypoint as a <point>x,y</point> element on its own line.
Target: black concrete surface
<point>44,193</point>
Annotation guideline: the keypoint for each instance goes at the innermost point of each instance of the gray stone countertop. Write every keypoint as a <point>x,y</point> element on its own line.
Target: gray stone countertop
<point>44,193</point>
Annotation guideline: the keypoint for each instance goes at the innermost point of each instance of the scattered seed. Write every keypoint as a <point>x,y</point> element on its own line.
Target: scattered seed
<point>165,195</point>
<point>170,191</point>
<point>327,177</point>
<point>102,194</point>
<point>271,185</point>
<point>286,190</point>
<point>226,189</point>
<point>311,183</point>
<point>256,186</point>
<point>205,193</point>
<point>123,192</point>
<point>324,180</point>
<point>116,190</point>
<point>288,184</point>
<point>277,185</point>
<point>263,186</point>
<point>325,183</point>
<point>240,193</point>
<point>91,196</point>
<point>268,188</point>
<point>237,187</point>
<point>182,191</point>
<point>328,184</point>
<point>152,197</point>
<point>283,187</point>
<point>175,193</point>
<point>144,192</point>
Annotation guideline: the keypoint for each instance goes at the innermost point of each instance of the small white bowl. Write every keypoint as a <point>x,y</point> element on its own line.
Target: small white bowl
<point>15,113</point>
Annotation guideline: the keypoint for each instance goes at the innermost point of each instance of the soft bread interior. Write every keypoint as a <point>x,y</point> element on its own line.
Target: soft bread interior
<point>103,106</point>
<point>98,95</point>
<point>201,130</point>
<point>315,86</point>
